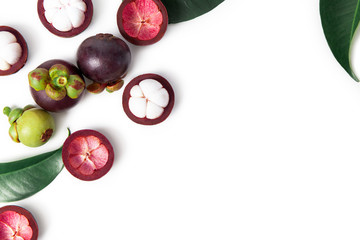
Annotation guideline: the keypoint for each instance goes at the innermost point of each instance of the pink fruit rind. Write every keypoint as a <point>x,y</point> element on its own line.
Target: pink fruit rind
<point>17,223</point>
<point>142,22</point>
<point>142,19</point>
<point>87,154</point>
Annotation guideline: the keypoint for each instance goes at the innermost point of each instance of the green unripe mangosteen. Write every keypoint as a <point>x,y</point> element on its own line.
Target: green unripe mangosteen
<point>33,127</point>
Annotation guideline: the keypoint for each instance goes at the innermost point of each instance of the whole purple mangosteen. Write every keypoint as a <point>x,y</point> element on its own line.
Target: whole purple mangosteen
<point>104,59</point>
<point>56,85</point>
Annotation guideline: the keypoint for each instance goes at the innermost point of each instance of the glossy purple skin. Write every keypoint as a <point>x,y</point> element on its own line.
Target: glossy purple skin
<point>103,58</point>
<point>52,105</point>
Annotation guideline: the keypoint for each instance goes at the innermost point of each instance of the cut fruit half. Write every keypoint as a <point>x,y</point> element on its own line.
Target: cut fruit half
<point>148,99</point>
<point>142,22</point>
<point>17,223</point>
<point>13,51</point>
<point>65,18</point>
<point>87,154</point>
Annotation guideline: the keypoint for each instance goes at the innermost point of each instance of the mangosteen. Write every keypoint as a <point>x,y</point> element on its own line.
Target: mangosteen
<point>148,99</point>
<point>31,126</point>
<point>104,59</point>
<point>87,154</point>
<point>56,85</point>
<point>13,51</point>
<point>17,223</point>
<point>65,18</point>
<point>142,22</point>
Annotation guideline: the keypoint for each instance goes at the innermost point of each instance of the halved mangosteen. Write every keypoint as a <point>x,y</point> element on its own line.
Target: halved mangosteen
<point>65,18</point>
<point>87,154</point>
<point>148,99</point>
<point>142,22</point>
<point>13,51</point>
<point>17,223</point>
<point>56,85</point>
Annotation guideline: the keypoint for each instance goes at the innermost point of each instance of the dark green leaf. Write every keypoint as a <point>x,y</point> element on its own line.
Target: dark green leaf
<point>340,19</point>
<point>16,165</point>
<point>183,10</point>
<point>23,178</point>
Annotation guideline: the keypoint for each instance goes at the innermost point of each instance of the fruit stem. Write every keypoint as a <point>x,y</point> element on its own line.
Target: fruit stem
<point>60,81</point>
<point>7,111</point>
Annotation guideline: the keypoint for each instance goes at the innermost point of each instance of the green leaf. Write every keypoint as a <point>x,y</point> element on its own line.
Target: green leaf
<point>183,10</point>
<point>23,178</point>
<point>340,19</point>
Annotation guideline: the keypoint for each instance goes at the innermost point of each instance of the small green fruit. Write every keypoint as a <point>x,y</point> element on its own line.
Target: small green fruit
<point>35,127</point>
<point>31,126</point>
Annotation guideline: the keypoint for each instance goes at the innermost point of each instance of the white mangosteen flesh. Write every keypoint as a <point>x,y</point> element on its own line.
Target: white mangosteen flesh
<point>65,15</point>
<point>148,99</point>
<point>14,226</point>
<point>87,154</point>
<point>10,50</point>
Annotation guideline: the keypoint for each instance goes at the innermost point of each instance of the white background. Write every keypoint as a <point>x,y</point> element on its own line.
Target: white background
<point>263,141</point>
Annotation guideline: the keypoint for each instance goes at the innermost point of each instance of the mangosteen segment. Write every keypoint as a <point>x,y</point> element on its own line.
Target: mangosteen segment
<point>17,223</point>
<point>148,99</point>
<point>87,154</point>
<point>10,50</point>
<point>142,22</point>
<point>65,18</point>
<point>13,51</point>
<point>65,15</point>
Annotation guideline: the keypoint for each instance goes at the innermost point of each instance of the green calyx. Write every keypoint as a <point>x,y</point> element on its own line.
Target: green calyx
<point>96,88</point>
<point>75,86</point>
<point>114,86</point>
<point>55,93</point>
<point>109,87</point>
<point>39,78</point>
<point>13,114</point>
<point>13,133</point>
<point>57,82</point>
<point>59,75</point>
